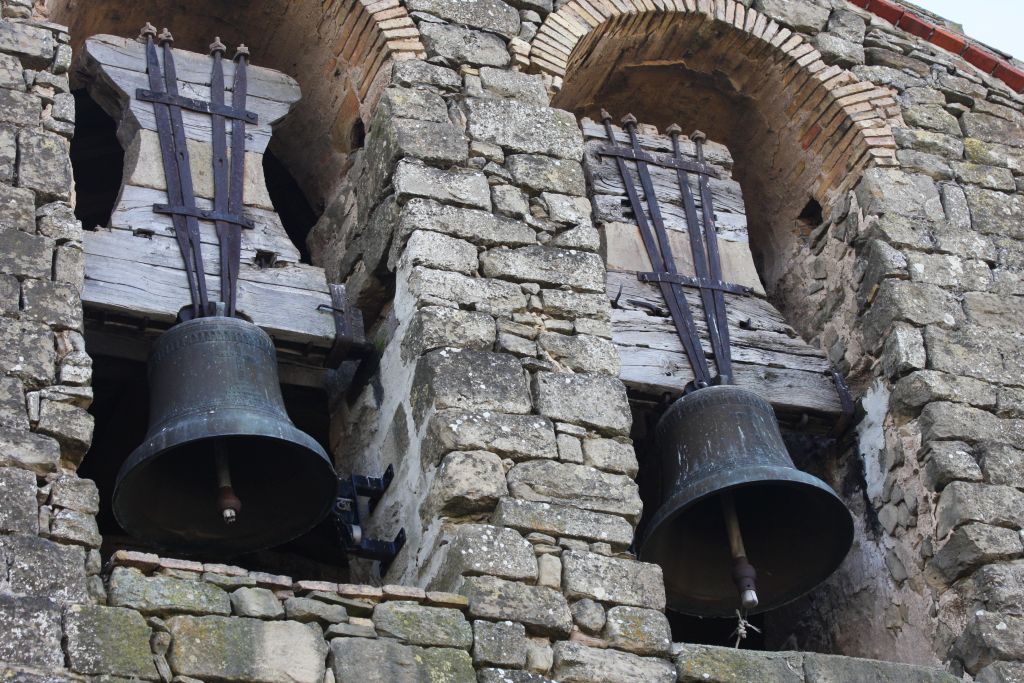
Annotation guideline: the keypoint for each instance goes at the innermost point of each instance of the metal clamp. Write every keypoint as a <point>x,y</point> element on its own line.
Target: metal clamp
<point>348,523</point>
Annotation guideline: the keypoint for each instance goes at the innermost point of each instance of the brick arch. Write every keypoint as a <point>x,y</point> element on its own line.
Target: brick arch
<point>800,128</point>
<point>340,51</point>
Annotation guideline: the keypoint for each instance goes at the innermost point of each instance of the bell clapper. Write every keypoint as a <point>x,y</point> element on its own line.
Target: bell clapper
<point>228,502</point>
<point>743,573</point>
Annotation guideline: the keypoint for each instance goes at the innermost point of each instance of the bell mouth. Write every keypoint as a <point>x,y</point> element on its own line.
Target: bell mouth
<point>797,532</point>
<point>168,493</point>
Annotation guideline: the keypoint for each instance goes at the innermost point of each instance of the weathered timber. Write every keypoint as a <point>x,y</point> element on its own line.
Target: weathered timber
<point>768,356</point>
<point>134,211</point>
<point>143,277</point>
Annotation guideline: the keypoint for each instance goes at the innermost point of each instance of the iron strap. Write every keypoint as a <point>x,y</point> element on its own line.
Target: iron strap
<point>634,154</point>
<point>220,176</point>
<point>199,106</point>
<point>679,309</point>
<point>170,163</point>
<point>698,282</point>
<point>231,242</point>
<point>205,214</point>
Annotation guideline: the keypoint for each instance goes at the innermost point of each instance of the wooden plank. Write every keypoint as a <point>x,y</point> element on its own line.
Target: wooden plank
<point>192,67</point>
<point>143,290</point>
<point>624,250</point>
<point>163,251</point>
<point>134,211</point>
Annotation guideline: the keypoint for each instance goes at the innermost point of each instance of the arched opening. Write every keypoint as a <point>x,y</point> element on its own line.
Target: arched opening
<point>797,127</point>
<point>801,132</point>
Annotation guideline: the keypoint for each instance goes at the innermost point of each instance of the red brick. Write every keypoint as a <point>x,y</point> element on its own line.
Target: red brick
<point>947,40</point>
<point>983,59</point>
<point>889,11</point>
<point>915,25</point>
<point>1013,77</point>
<point>860,3</point>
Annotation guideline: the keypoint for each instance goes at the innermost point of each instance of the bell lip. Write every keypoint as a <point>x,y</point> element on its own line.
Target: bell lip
<point>741,478</point>
<point>143,457</point>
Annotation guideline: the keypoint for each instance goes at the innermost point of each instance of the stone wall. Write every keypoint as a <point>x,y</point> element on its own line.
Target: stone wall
<point>461,227</point>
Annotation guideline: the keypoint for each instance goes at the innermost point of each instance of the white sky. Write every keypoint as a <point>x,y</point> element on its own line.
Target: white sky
<point>998,23</point>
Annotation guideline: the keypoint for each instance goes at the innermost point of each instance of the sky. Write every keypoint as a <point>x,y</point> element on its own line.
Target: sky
<point>994,22</point>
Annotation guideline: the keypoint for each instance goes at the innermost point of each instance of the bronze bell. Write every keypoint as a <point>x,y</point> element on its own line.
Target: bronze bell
<point>222,470</point>
<point>731,498</point>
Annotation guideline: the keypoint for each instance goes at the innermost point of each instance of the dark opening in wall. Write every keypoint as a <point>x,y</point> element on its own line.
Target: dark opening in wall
<point>121,411</point>
<point>97,160</point>
<point>811,215</point>
<point>358,136</point>
<point>297,216</point>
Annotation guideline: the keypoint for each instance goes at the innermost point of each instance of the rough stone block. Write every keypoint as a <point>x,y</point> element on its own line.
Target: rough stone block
<point>885,191</point>
<point>925,386</point>
<point>491,296</point>
<point>797,14</point>
<point>953,421</point>
<point>836,50</point>
<point>612,579</point>
<point>962,502</point>
<point>458,45</point>
<point>25,450</point>
<point>998,588</point>
<point>414,72</point>
<point>565,304</point>
<point>547,266</point>
<point>513,436</point>
<point>543,611</point>
<point>72,526</point>
<point>425,626</point>
<point>832,669</point>
<point>470,380</point>
<point>69,424</point>
<point>44,164</point>
<point>637,630</point>
<point>163,595</point>
<point>989,638</point>
<point>460,187</point>
<point>709,664</point>
<point>595,401</point>
<point>913,302</point>
<point>393,662</point>
<point>525,128</point>
<point>499,644</point>
<point>547,481</point>
<point>930,142</point>
<point>996,213</point>
<point>435,250</point>
<point>931,117</point>
<point>308,610</point>
<point>994,154</point>
<point>581,352</point>
<point>239,649</point>
<point>19,108</point>
<point>487,15</point>
<point>435,327</point>
<point>563,521</point>
<point>108,641</point>
<point>25,255</point>
<point>76,494</point>
<point>974,545</point>
<point>34,44</point>
<point>479,227</point>
<point>512,676</point>
<point>18,205</point>
<point>946,461</point>
<point>611,456</point>
<point>1002,464</point>
<point>37,566</point>
<point>481,549</point>
<point>544,174</point>
<point>1001,672</point>
<point>259,603</point>
<point>575,663</point>
<point>19,511</point>
<point>514,85</point>
<point>467,482</point>
<point>993,128</point>
<point>415,103</point>
<point>32,631</point>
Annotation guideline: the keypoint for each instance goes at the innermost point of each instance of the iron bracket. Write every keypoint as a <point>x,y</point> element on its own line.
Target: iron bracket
<point>665,162</point>
<point>201,106</point>
<point>205,214</point>
<point>349,337</point>
<point>698,282</point>
<point>347,519</point>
